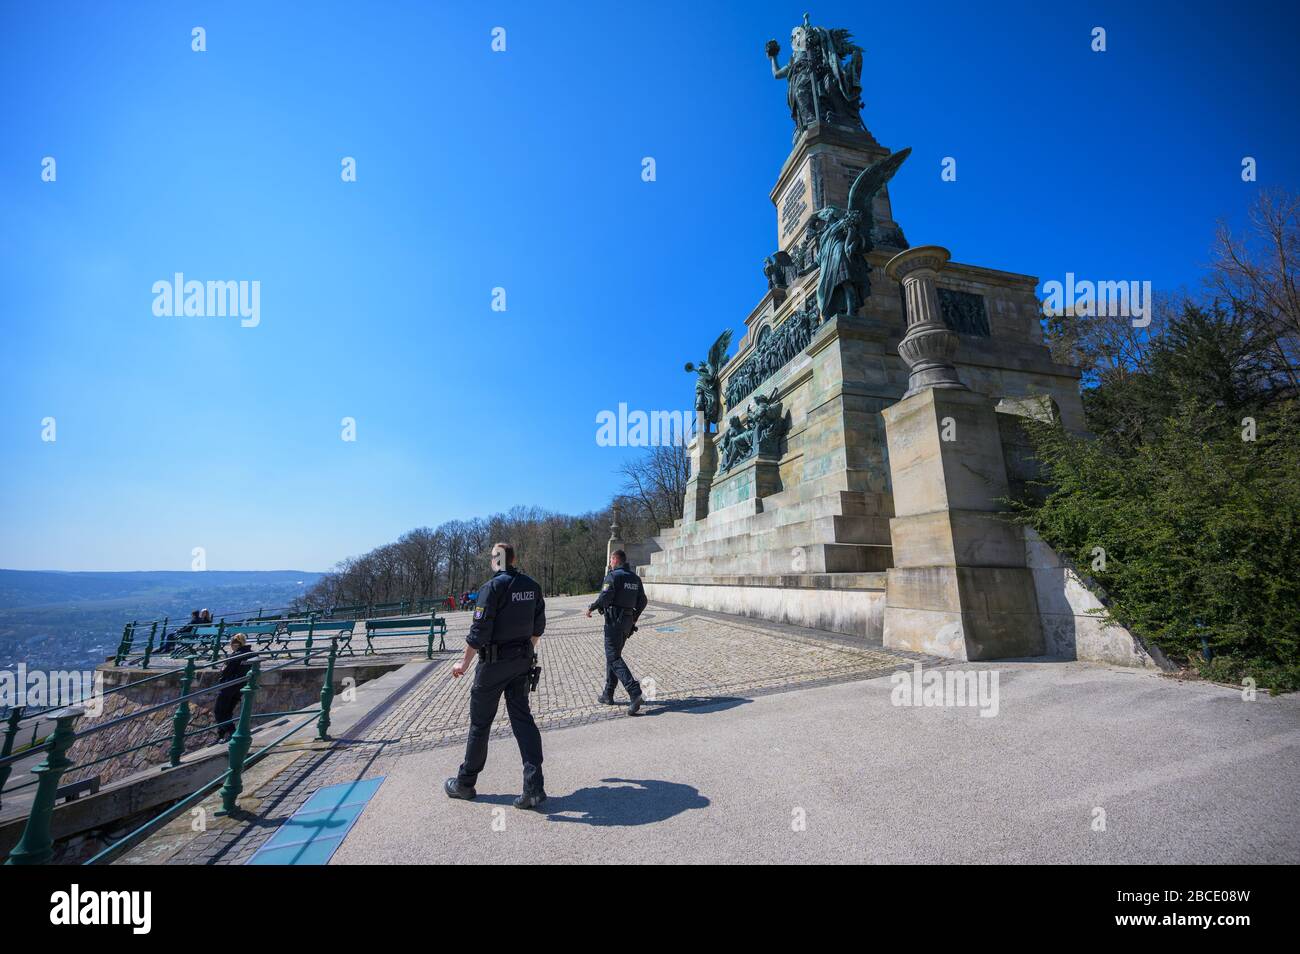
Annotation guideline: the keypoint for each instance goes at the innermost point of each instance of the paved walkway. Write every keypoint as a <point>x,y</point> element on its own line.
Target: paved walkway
<point>1183,772</point>
<point>768,744</point>
<point>685,660</point>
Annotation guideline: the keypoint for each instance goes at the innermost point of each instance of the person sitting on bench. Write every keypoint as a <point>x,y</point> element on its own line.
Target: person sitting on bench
<point>169,639</point>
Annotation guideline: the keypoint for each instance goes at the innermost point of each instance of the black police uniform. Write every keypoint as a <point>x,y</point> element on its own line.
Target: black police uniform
<point>621,600</point>
<point>508,612</point>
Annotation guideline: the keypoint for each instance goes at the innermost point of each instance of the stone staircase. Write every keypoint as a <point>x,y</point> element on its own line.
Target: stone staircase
<point>831,541</point>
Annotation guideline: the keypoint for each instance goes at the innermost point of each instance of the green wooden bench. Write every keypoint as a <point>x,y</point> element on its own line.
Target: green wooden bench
<point>366,610</point>
<point>356,611</point>
<point>324,629</point>
<point>208,639</point>
<point>261,636</point>
<point>428,627</point>
<point>212,640</point>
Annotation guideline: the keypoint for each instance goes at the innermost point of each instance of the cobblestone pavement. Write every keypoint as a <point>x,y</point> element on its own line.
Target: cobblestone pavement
<point>683,658</point>
<point>680,656</point>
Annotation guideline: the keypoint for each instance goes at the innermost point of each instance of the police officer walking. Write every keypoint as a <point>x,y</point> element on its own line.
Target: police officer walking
<point>509,618</point>
<point>621,600</point>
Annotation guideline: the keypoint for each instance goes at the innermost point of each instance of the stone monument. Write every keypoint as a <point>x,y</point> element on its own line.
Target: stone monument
<point>866,425</point>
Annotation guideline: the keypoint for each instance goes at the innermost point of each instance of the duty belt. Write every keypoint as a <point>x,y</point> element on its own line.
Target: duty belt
<point>495,652</point>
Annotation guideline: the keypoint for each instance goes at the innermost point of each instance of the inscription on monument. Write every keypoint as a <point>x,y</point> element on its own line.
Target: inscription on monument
<point>793,208</point>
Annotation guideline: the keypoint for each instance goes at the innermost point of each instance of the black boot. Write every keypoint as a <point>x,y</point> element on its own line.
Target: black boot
<point>606,699</point>
<point>635,705</point>
<point>530,800</point>
<point>454,789</point>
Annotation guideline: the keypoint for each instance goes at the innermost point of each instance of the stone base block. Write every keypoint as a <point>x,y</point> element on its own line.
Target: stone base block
<point>968,613</point>
<point>696,505</point>
<point>956,537</point>
<point>753,479</point>
<point>854,612</point>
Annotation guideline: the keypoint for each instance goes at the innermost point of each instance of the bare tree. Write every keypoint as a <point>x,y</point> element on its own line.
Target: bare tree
<point>564,553</point>
<point>654,487</point>
<point>1257,274</point>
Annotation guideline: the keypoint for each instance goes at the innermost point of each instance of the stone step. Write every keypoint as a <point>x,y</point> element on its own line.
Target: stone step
<point>834,529</point>
<point>808,581</point>
<point>813,558</point>
<point>845,503</point>
<point>862,502</point>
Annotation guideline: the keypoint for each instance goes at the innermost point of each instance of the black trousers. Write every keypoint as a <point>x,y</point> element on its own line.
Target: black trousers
<point>491,680</point>
<point>224,711</point>
<point>616,669</point>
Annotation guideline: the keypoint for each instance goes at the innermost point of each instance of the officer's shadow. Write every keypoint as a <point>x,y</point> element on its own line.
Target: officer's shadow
<point>695,705</point>
<point>624,801</point>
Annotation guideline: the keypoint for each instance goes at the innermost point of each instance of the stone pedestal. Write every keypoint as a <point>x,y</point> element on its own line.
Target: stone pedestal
<point>751,479</point>
<point>959,587</point>
<point>704,464</point>
<point>819,172</point>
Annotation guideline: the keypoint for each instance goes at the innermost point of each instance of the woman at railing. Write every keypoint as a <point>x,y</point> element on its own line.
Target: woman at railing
<point>237,666</point>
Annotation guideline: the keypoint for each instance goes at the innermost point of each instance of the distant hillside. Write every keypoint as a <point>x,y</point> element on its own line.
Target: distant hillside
<point>57,620</point>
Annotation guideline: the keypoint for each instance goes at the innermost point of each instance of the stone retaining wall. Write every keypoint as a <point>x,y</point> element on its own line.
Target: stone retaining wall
<point>282,690</point>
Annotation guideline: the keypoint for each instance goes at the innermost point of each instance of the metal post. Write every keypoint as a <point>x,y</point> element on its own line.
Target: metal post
<point>218,639</point>
<point>327,694</point>
<point>181,720</point>
<point>311,627</point>
<point>124,648</point>
<point>7,747</point>
<point>148,649</point>
<point>36,847</point>
<point>240,743</point>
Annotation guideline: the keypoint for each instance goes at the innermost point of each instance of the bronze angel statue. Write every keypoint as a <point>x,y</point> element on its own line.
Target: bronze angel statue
<point>708,397</point>
<point>845,239</point>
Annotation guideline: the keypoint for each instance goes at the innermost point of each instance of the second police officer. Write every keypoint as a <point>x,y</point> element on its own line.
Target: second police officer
<point>621,600</point>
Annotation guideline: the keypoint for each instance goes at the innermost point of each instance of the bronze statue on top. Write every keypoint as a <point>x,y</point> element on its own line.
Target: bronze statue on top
<point>823,77</point>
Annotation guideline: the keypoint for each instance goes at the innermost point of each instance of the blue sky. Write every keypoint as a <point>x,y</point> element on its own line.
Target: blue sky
<point>520,170</point>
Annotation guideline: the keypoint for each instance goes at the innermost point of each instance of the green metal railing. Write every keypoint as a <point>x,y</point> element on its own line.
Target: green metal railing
<point>37,845</point>
<point>158,628</point>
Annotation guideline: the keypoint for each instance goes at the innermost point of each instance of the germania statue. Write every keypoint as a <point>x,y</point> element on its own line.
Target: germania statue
<point>822,78</point>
